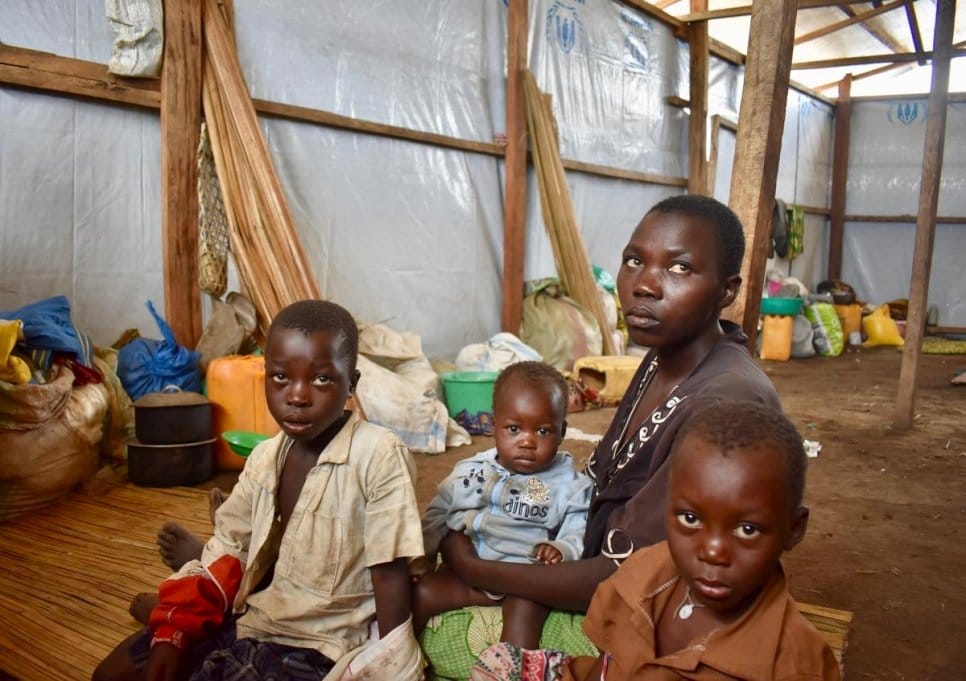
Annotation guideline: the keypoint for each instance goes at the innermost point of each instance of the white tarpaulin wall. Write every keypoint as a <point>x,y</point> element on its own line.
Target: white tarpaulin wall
<point>885,166</point>
<point>804,177</point>
<point>399,232</point>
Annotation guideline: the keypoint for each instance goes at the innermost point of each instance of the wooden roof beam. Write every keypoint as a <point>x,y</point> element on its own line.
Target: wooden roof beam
<point>914,30</point>
<point>871,59</point>
<point>883,69</point>
<point>745,10</point>
<point>851,21</point>
<point>655,12</point>
<point>883,37</point>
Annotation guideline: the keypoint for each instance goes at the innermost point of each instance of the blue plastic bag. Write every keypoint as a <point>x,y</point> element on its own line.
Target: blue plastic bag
<point>145,365</point>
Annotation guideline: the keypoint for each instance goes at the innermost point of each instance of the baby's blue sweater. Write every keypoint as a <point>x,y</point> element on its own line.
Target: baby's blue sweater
<point>506,514</point>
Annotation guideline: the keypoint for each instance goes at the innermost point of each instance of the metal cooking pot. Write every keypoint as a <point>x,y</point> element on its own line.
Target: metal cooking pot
<point>172,417</point>
<point>167,465</point>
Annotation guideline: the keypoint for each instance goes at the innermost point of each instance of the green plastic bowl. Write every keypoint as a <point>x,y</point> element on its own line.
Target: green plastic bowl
<point>787,307</point>
<point>242,442</point>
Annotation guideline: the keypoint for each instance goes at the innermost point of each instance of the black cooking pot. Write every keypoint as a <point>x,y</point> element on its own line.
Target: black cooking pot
<point>167,465</point>
<point>172,417</point>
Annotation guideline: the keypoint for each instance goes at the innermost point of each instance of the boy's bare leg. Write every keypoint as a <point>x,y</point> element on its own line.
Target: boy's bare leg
<point>177,544</point>
<point>523,622</point>
<point>120,664</point>
<point>440,591</point>
<point>142,605</point>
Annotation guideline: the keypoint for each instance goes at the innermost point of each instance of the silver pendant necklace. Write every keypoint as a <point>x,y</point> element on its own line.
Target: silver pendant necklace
<point>687,606</point>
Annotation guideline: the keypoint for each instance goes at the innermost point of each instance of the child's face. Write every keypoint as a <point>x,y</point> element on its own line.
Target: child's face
<point>728,522</point>
<point>526,427</point>
<point>307,382</point>
<point>670,284</point>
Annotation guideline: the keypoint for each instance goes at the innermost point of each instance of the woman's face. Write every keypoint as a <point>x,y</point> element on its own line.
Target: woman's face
<point>670,283</point>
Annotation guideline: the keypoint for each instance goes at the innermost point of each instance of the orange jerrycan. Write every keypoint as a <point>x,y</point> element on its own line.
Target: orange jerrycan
<point>236,389</point>
<point>776,337</point>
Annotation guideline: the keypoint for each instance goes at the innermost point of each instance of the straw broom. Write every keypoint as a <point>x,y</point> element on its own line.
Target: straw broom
<point>569,252</point>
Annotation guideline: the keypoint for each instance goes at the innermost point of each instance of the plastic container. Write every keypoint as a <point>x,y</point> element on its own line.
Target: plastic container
<point>776,337</point>
<point>608,376</point>
<point>469,399</point>
<point>850,316</point>
<point>781,306</point>
<point>236,389</point>
<point>242,442</point>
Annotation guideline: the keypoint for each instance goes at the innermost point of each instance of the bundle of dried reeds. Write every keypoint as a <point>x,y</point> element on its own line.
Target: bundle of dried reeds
<point>271,263</point>
<point>569,252</point>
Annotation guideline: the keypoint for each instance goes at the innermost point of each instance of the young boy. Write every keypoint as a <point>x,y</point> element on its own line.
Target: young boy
<point>313,544</point>
<point>521,501</point>
<point>711,601</point>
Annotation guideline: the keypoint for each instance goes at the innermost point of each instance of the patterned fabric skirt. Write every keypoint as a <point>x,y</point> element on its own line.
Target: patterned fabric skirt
<point>507,662</point>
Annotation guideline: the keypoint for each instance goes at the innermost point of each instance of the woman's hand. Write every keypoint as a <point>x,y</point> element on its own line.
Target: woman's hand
<point>458,554</point>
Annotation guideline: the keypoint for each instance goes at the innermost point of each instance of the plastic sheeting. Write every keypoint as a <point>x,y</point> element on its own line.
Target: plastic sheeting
<point>885,167</point>
<point>804,177</point>
<point>401,233</point>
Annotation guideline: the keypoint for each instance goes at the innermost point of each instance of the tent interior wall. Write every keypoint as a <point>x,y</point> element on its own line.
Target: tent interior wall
<point>80,180</point>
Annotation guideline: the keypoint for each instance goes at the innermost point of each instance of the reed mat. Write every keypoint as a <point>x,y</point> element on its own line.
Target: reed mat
<point>68,573</point>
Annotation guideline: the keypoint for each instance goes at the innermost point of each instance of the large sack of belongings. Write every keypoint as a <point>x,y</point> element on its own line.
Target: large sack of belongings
<point>60,416</point>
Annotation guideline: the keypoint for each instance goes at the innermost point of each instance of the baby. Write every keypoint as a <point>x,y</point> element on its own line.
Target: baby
<point>521,501</point>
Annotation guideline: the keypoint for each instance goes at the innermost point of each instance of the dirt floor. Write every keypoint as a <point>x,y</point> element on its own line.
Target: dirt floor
<point>887,535</point>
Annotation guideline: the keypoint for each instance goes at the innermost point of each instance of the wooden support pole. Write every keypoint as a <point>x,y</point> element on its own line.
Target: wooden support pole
<point>761,121</point>
<point>840,176</point>
<point>515,155</point>
<point>180,126</point>
<point>697,126</point>
<point>932,164</point>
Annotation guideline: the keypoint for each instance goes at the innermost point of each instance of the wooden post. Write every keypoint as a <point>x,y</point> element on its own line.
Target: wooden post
<point>180,125</point>
<point>840,177</point>
<point>761,122</point>
<point>932,164</point>
<point>515,155</point>
<point>697,133</point>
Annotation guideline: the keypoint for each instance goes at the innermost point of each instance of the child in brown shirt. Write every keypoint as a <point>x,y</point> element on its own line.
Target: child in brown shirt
<point>710,603</point>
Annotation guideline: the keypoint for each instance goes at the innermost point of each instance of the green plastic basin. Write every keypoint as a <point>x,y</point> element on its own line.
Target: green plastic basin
<point>788,307</point>
<point>242,442</point>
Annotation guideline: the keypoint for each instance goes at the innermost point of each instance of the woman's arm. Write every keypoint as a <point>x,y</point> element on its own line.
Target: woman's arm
<point>566,586</point>
<point>390,582</point>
